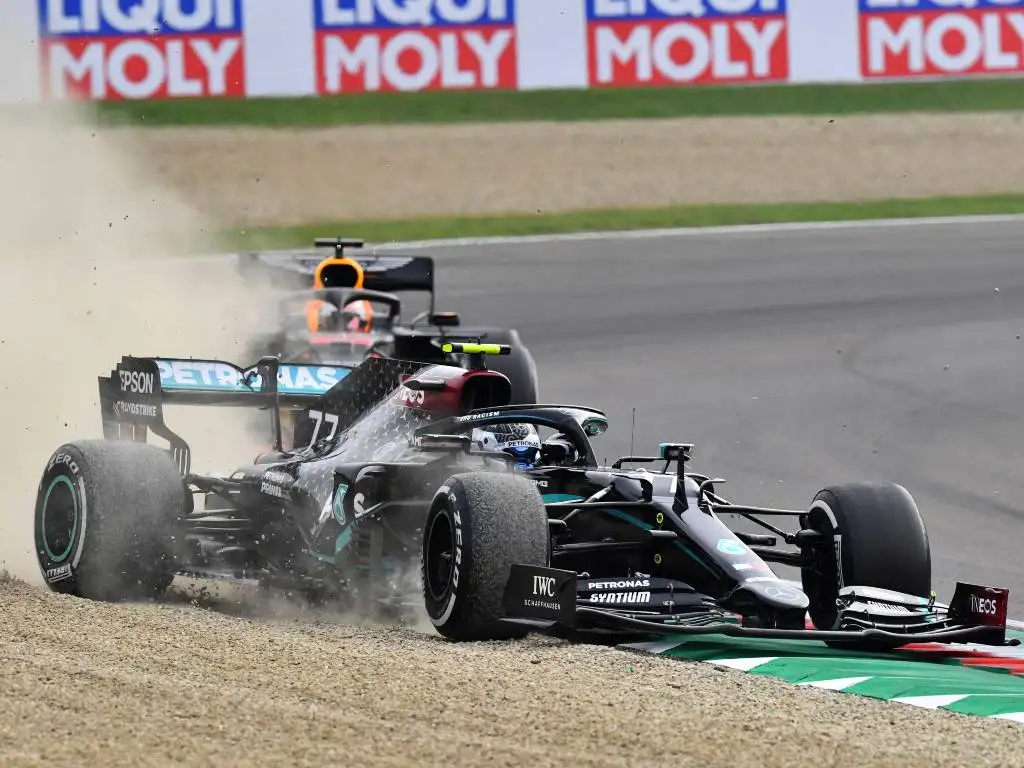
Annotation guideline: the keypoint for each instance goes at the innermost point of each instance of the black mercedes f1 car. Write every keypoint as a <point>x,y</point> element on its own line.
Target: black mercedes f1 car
<point>386,473</point>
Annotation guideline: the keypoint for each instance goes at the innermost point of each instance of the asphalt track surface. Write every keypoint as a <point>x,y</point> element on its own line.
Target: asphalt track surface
<point>793,360</point>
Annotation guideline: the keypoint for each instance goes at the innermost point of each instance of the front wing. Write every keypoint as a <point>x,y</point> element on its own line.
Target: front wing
<point>554,601</point>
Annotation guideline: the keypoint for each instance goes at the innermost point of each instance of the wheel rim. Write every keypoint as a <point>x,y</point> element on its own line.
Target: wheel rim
<point>59,523</point>
<point>440,553</point>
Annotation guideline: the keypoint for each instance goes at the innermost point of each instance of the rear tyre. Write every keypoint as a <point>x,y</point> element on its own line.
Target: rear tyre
<point>479,524</point>
<point>876,538</point>
<point>519,367</point>
<point>105,518</point>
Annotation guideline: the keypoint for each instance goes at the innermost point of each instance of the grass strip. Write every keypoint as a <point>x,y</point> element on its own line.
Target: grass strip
<point>573,105</point>
<point>432,228</point>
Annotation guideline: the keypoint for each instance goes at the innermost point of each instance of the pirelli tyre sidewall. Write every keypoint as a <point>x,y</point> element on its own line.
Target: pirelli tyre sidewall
<point>105,517</point>
<point>478,525</point>
<point>444,541</point>
<point>61,520</point>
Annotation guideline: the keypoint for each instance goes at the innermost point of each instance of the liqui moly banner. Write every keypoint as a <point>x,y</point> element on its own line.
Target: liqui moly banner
<point>386,45</point>
<point>148,49</point>
<point>666,42</point>
<point>159,49</point>
<point>941,38</point>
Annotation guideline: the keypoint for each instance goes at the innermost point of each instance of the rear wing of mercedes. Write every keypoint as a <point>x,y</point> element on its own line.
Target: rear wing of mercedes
<point>133,396</point>
<point>379,272</point>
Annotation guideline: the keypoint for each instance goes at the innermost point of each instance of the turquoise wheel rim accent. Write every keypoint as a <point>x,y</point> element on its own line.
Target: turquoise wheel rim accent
<point>59,482</point>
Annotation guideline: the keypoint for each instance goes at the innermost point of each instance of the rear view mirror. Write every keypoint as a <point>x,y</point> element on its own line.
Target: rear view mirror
<point>675,451</point>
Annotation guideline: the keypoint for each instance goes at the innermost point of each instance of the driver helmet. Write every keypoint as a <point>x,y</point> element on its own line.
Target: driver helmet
<point>357,316</point>
<point>522,441</point>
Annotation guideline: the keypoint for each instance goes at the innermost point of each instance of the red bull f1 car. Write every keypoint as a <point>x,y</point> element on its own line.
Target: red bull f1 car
<point>341,308</point>
<point>396,465</point>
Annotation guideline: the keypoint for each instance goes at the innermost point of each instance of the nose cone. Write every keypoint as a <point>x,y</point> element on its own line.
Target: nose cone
<point>778,594</point>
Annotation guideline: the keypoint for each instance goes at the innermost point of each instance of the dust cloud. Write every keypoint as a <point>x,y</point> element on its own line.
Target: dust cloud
<point>94,265</point>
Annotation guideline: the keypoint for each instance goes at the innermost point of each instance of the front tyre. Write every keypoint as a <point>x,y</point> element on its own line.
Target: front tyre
<point>479,524</point>
<point>105,518</point>
<point>875,537</point>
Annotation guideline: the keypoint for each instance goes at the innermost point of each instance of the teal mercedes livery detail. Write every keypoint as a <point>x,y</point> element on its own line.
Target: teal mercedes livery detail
<point>551,498</point>
<point>339,503</point>
<point>344,538</point>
